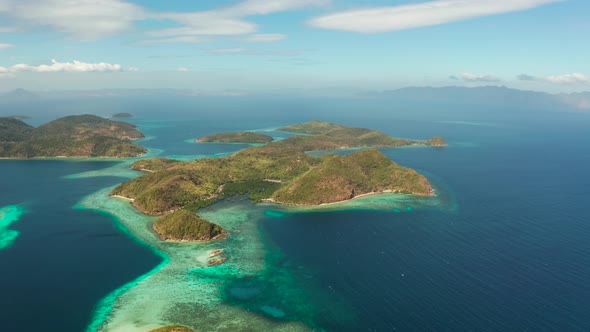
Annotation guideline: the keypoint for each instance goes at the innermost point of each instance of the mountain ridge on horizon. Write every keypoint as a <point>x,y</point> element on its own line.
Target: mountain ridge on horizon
<point>489,94</point>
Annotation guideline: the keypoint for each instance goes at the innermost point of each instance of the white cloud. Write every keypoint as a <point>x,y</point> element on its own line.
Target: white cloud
<point>89,20</point>
<point>265,38</point>
<point>224,51</point>
<point>5,45</point>
<point>174,40</point>
<point>568,78</point>
<point>229,20</point>
<point>263,7</point>
<point>574,78</point>
<point>251,51</point>
<point>74,66</point>
<point>183,69</point>
<point>393,18</point>
<point>197,24</point>
<point>5,29</point>
<point>469,77</point>
<point>80,19</point>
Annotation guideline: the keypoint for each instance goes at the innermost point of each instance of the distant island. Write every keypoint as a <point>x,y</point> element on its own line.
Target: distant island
<point>240,137</point>
<point>280,172</point>
<point>70,136</point>
<point>122,115</point>
<point>330,136</point>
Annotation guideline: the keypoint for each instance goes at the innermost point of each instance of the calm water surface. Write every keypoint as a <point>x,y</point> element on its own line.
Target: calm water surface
<point>508,252</point>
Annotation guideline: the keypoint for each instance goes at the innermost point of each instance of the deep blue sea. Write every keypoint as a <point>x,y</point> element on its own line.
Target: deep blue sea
<point>508,252</point>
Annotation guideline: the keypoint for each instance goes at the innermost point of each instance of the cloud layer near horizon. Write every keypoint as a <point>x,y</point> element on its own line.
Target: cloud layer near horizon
<point>470,77</point>
<point>401,17</point>
<point>573,78</point>
<point>56,66</point>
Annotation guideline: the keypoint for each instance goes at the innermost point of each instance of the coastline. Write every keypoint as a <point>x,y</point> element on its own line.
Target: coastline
<point>377,193</point>
<point>185,276</point>
<point>74,158</point>
<point>123,197</point>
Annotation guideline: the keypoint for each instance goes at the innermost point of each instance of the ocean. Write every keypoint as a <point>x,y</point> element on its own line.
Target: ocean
<point>503,247</point>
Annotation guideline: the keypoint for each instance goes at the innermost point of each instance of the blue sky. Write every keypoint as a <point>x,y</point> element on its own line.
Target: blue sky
<point>261,45</point>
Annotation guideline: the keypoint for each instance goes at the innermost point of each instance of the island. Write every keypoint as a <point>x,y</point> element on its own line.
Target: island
<point>71,136</point>
<point>183,225</point>
<point>122,115</point>
<point>281,172</point>
<point>329,136</point>
<point>240,137</point>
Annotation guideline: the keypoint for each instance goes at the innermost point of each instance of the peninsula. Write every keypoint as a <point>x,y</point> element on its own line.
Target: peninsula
<point>240,137</point>
<point>70,136</point>
<point>281,172</point>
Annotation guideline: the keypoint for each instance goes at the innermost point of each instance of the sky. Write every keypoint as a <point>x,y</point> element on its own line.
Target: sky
<point>262,45</point>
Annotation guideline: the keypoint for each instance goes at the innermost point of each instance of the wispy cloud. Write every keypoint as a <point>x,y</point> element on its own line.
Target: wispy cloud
<point>252,51</point>
<point>225,51</point>
<point>574,78</point>
<point>89,20</point>
<point>182,69</point>
<point>74,66</point>
<point>5,45</point>
<point>393,18</point>
<point>469,77</point>
<point>5,29</point>
<point>229,21</point>
<point>175,40</point>
<point>265,38</point>
<point>81,19</point>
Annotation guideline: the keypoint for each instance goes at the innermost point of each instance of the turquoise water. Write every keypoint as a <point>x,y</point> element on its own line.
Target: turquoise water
<point>8,215</point>
<point>503,245</point>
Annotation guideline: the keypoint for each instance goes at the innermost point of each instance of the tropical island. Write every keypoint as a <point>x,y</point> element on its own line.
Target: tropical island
<point>71,136</point>
<point>281,172</point>
<point>122,115</point>
<point>240,137</point>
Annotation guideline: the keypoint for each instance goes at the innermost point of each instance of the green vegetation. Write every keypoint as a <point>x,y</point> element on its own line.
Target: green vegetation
<point>340,178</point>
<point>329,136</point>
<point>183,225</point>
<point>122,115</point>
<point>191,183</point>
<point>71,136</point>
<point>153,164</point>
<point>14,130</point>
<point>436,141</point>
<point>256,190</point>
<point>241,137</point>
<point>173,328</point>
<point>279,171</point>
<point>312,127</point>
